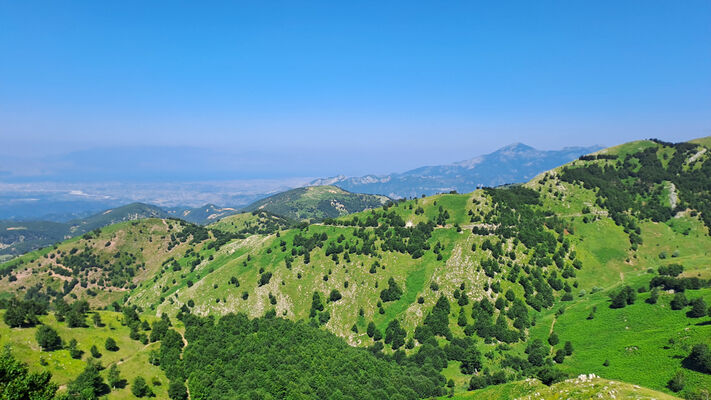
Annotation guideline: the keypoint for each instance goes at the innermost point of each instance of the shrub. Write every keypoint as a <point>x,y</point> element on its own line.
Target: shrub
<point>653,296</point>
<point>698,308</point>
<point>114,377</point>
<point>550,375</point>
<point>334,296</point>
<point>73,351</point>
<point>559,356</point>
<point>392,293</point>
<point>568,348</point>
<point>264,278</point>
<point>110,344</point>
<point>700,358</point>
<point>139,388</point>
<point>625,296</point>
<point>553,339</point>
<point>48,338</point>
<point>95,352</point>
<point>676,383</point>
<point>679,301</point>
<point>89,384</point>
<point>477,382</point>
<point>177,391</point>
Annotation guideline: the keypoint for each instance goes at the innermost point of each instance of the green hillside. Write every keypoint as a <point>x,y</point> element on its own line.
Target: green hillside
<point>100,266</point>
<point>20,237</point>
<point>315,203</point>
<point>131,358</point>
<point>255,222</point>
<point>601,266</point>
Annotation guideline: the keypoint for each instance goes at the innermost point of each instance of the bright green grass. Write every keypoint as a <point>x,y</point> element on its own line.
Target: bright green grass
<point>632,338</point>
<point>704,141</point>
<point>630,148</point>
<point>665,154</point>
<point>683,240</point>
<point>131,358</point>
<point>602,248</point>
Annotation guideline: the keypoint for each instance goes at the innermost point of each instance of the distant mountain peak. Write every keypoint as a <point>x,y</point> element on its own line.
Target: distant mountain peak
<point>516,162</point>
<point>327,181</point>
<point>516,147</point>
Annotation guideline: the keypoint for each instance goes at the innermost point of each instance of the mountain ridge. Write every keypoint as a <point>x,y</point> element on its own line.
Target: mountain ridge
<point>315,203</point>
<point>520,162</point>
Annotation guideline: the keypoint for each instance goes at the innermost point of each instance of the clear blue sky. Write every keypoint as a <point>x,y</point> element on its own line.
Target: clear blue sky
<point>388,85</point>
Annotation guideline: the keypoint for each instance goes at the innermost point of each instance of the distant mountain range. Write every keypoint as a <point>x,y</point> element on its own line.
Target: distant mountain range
<point>511,164</point>
<point>64,200</point>
<point>324,198</point>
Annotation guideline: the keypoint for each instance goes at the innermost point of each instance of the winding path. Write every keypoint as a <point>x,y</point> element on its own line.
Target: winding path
<point>185,344</point>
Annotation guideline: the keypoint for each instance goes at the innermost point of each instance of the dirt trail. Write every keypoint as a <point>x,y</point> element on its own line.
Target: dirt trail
<point>673,197</point>
<point>132,355</point>
<point>551,332</point>
<point>185,344</point>
<point>696,156</point>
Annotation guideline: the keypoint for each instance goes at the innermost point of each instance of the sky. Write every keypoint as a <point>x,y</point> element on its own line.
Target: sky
<point>324,88</point>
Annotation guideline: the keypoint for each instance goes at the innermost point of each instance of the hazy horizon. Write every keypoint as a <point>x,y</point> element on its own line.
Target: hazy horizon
<point>320,89</point>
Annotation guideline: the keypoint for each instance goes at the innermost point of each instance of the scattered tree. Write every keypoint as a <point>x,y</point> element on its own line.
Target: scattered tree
<point>177,391</point>
<point>698,308</point>
<point>48,338</point>
<point>110,344</point>
<point>139,388</point>
<point>676,383</point>
<point>114,377</point>
<point>679,301</point>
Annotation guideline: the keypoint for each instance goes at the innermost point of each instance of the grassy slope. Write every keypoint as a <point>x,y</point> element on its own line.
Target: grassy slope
<point>131,358</point>
<point>704,141</point>
<point>146,239</point>
<point>36,234</point>
<point>637,335</point>
<point>294,296</point>
<point>248,222</point>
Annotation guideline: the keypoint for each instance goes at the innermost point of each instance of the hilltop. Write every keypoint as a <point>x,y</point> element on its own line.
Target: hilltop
<point>514,163</point>
<point>204,215</point>
<point>597,266</point>
<point>315,203</point>
<point>19,237</point>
